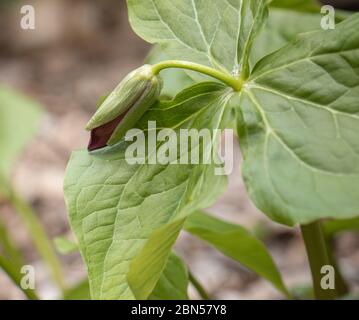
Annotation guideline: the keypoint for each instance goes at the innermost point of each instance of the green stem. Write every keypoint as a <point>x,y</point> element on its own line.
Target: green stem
<point>202,292</point>
<point>236,84</point>
<point>8,247</point>
<point>318,256</point>
<point>39,237</point>
<point>340,283</point>
<point>15,276</point>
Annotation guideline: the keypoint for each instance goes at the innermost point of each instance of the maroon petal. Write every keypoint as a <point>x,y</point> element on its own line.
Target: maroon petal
<point>100,135</point>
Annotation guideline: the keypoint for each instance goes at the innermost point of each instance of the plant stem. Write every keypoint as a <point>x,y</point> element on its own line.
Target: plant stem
<point>8,247</point>
<point>39,237</point>
<point>236,84</point>
<point>202,292</point>
<point>14,275</point>
<point>318,256</point>
<point>340,284</point>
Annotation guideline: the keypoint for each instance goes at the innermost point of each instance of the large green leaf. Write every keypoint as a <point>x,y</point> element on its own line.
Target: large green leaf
<point>218,33</point>
<point>299,120</point>
<point>282,27</point>
<point>117,209</point>
<point>148,265</point>
<point>173,282</point>
<point>19,117</point>
<point>237,243</point>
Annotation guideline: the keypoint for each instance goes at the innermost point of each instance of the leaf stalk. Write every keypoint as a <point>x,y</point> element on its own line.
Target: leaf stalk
<point>39,237</point>
<point>15,276</point>
<point>201,291</point>
<point>318,256</point>
<point>235,83</point>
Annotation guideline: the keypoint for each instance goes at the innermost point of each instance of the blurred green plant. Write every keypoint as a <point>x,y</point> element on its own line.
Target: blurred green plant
<point>19,119</point>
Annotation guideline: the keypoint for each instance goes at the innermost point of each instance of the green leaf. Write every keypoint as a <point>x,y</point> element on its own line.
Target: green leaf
<point>300,5</point>
<point>173,282</point>
<point>236,242</point>
<point>64,245</point>
<point>80,291</point>
<point>298,126</point>
<point>281,28</point>
<point>217,33</point>
<point>334,227</point>
<point>147,267</point>
<point>114,206</point>
<point>19,118</point>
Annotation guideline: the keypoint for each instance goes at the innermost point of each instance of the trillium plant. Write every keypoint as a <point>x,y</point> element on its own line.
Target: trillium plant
<point>293,101</point>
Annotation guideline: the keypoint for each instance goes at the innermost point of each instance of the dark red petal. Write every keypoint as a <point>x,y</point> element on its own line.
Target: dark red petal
<point>100,135</point>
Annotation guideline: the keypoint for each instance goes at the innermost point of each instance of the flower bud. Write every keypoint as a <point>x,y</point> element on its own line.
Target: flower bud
<point>124,107</point>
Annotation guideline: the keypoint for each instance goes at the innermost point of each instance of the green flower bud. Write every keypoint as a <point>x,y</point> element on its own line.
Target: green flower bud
<point>124,106</point>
